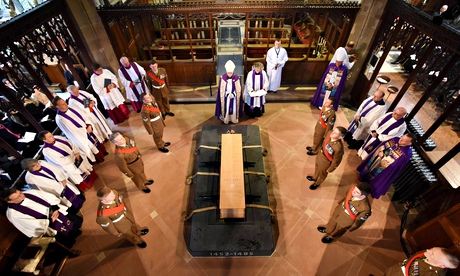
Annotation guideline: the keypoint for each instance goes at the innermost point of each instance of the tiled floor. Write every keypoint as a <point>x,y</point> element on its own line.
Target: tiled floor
<point>287,128</point>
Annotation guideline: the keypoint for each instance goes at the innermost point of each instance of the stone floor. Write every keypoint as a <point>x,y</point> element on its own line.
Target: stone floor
<point>287,128</point>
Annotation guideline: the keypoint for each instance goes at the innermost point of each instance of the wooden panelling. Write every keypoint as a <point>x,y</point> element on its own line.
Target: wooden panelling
<point>185,73</point>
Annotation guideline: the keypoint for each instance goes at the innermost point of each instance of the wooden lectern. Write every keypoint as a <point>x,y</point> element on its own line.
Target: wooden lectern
<point>232,196</point>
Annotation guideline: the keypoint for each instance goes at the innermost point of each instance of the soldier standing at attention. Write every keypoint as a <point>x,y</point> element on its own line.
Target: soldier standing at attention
<point>434,261</point>
<point>115,219</point>
<point>324,125</point>
<point>349,215</point>
<point>129,161</point>
<point>330,157</point>
<point>153,123</point>
<point>158,82</point>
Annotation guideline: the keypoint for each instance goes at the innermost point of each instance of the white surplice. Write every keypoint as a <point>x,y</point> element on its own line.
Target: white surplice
<point>274,57</point>
<point>49,183</point>
<point>134,78</point>
<point>366,121</point>
<point>258,91</point>
<point>67,163</point>
<point>77,135</point>
<point>396,132</point>
<point>30,226</point>
<point>110,99</point>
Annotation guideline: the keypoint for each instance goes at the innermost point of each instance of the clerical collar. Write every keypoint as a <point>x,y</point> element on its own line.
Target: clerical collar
<point>255,72</point>
<point>95,73</point>
<point>127,67</point>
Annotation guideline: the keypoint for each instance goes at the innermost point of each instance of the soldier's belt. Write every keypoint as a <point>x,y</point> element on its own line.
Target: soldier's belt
<point>118,219</point>
<point>107,212</point>
<point>155,119</point>
<point>159,87</point>
<point>132,162</point>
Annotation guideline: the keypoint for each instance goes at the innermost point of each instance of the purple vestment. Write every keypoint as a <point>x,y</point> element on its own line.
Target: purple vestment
<point>219,107</point>
<point>380,178</point>
<point>336,91</point>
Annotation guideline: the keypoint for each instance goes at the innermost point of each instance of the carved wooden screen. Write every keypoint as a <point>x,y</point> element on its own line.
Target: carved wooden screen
<point>187,31</point>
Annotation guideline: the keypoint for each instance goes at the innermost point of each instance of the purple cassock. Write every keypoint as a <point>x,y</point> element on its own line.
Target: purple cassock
<point>62,224</point>
<point>218,111</point>
<point>380,178</point>
<point>333,74</point>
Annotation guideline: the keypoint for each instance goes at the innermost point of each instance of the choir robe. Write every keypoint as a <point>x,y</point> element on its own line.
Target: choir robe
<point>369,111</point>
<point>34,219</point>
<point>112,99</point>
<point>134,74</point>
<point>335,76</point>
<point>49,178</point>
<point>387,128</point>
<point>274,57</point>
<point>73,125</point>
<point>228,100</point>
<point>379,175</point>
<point>254,93</point>
<point>62,154</point>
<point>101,128</point>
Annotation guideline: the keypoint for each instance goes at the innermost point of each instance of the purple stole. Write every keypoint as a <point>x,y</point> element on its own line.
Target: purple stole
<point>354,125</point>
<point>55,148</point>
<point>78,99</point>
<point>97,117</point>
<point>50,175</point>
<point>62,225</point>
<point>126,75</point>
<point>67,193</point>
<point>392,126</point>
<point>233,79</point>
<point>75,123</point>
<point>377,141</point>
<point>261,85</point>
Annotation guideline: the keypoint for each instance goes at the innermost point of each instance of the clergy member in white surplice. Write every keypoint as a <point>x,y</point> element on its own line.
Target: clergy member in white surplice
<point>387,127</point>
<point>59,151</point>
<point>105,84</point>
<point>228,99</point>
<point>276,58</point>
<point>78,96</point>
<point>52,179</point>
<point>255,90</point>
<point>370,110</point>
<point>132,76</point>
<point>87,104</point>
<point>75,127</point>
<point>36,213</point>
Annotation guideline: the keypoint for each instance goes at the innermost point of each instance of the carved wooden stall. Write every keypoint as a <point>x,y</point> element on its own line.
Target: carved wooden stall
<point>182,35</point>
<point>34,43</point>
<point>429,54</point>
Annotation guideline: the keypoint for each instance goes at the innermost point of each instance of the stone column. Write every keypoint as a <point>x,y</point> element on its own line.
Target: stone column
<point>364,29</point>
<point>93,33</point>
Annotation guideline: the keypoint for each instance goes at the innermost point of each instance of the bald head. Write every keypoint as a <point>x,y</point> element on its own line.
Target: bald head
<point>439,257</point>
<point>399,112</point>
<point>350,45</point>
<point>378,95</point>
<point>124,61</point>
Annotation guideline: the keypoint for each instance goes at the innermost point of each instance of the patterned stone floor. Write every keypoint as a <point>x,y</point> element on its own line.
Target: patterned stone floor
<point>287,128</point>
